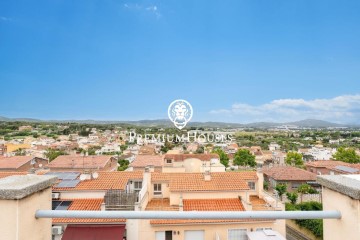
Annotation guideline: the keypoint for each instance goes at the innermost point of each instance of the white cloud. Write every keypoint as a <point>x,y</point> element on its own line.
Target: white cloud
<point>153,9</point>
<point>342,109</point>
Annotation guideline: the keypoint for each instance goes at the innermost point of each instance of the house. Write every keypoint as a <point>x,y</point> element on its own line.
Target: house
<point>221,191</point>
<point>142,161</point>
<point>192,163</point>
<point>274,147</point>
<point>331,167</point>
<point>83,163</point>
<point>100,192</point>
<point>147,150</point>
<point>291,176</point>
<point>22,163</point>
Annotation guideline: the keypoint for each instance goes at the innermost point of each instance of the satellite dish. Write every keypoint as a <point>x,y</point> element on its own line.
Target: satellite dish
<point>95,175</point>
<point>82,177</point>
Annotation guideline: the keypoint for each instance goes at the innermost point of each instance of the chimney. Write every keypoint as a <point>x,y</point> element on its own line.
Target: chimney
<point>207,175</point>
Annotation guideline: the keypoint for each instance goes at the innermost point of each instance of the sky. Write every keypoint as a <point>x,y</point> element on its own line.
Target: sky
<point>234,61</point>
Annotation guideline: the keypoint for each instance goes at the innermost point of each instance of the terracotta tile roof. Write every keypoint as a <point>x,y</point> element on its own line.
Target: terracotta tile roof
<point>85,205</point>
<point>146,160</point>
<point>182,157</point>
<point>160,204</point>
<point>14,162</point>
<point>327,164</point>
<point>106,181</point>
<point>76,161</point>
<point>194,182</point>
<point>223,204</point>
<point>7,174</point>
<point>288,173</point>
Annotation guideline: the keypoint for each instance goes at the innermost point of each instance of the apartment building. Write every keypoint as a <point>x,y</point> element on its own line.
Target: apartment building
<point>157,191</point>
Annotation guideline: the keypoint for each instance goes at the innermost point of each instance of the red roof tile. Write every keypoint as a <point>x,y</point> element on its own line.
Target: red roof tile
<point>106,181</point>
<point>288,173</point>
<point>80,162</point>
<point>146,160</point>
<point>88,204</point>
<point>182,157</point>
<point>220,181</point>
<point>14,162</point>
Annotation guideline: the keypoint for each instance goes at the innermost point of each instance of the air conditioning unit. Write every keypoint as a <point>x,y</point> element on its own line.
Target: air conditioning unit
<point>56,230</point>
<point>55,195</point>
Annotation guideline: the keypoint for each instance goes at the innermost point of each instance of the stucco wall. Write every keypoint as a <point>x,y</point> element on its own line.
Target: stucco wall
<point>18,220</point>
<point>348,227</point>
<point>147,231</point>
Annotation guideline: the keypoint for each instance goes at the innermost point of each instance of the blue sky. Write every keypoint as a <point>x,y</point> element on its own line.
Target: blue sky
<point>234,61</point>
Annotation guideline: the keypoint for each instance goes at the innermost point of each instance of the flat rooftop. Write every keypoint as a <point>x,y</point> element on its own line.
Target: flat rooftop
<point>346,184</point>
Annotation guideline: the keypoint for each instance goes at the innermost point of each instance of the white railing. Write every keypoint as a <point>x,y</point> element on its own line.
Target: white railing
<point>331,214</point>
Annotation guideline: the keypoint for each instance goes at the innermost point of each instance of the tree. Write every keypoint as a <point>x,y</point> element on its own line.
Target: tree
<point>200,150</point>
<point>281,189</point>
<point>224,158</point>
<point>304,189</point>
<point>123,147</point>
<point>243,157</point>
<point>20,152</point>
<point>294,159</point>
<point>347,155</point>
<point>124,164</point>
<point>51,154</point>
<point>292,197</point>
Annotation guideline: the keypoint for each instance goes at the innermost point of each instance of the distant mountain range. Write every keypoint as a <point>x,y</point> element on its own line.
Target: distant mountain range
<point>167,123</point>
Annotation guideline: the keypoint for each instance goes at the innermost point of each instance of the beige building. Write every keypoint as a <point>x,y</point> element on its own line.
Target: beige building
<point>192,163</point>
<point>342,193</point>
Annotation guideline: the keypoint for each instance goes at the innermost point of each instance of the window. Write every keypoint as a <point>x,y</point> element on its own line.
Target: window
<point>261,229</point>
<point>167,235</point>
<point>251,185</point>
<point>168,161</point>
<point>137,185</point>
<point>237,234</point>
<point>157,189</point>
<point>60,205</point>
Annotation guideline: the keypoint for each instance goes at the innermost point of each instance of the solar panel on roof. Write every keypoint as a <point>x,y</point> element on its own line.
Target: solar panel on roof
<point>347,169</point>
<point>68,183</point>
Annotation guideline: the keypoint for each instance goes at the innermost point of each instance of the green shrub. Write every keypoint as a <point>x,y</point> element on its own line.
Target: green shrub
<point>314,225</point>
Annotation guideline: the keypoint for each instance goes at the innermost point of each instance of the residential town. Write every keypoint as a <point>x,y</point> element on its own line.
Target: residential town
<point>97,168</point>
